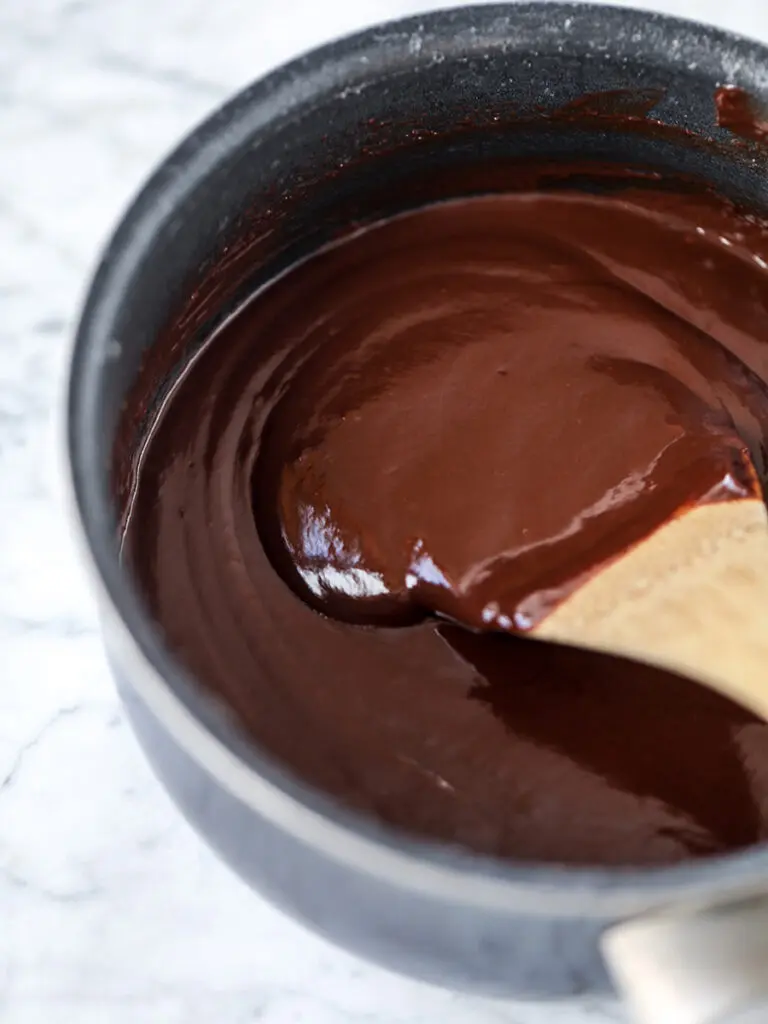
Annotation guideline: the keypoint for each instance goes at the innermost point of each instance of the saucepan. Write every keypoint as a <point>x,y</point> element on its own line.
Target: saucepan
<point>354,131</point>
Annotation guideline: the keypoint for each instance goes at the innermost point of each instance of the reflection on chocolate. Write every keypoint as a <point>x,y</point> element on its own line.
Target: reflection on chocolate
<point>465,410</point>
<point>619,725</point>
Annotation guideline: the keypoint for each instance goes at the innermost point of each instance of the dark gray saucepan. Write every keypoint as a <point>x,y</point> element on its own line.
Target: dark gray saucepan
<point>338,129</point>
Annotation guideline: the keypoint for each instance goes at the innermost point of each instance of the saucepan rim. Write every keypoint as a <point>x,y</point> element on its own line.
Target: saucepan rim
<point>454,876</point>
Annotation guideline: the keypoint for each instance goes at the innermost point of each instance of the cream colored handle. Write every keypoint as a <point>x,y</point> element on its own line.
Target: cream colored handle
<point>693,597</point>
<point>704,967</point>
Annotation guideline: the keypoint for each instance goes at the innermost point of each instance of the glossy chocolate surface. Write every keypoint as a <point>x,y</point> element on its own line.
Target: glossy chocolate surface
<point>494,399</point>
<point>458,415</point>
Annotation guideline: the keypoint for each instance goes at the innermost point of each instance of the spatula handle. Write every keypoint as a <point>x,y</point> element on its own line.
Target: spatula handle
<point>702,967</point>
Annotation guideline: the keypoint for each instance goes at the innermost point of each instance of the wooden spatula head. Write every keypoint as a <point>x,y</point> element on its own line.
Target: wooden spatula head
<point>692,597</point>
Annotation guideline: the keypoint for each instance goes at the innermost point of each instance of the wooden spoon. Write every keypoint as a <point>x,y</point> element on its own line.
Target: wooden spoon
<point>692,598</point>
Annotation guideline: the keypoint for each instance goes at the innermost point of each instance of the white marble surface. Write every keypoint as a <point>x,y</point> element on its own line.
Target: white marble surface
<point>111,909</point>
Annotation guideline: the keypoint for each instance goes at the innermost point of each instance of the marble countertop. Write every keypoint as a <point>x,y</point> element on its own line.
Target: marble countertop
<point>111,909</point>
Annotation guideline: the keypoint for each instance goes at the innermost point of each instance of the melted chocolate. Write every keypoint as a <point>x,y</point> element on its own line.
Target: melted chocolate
<point>465,411</point>
<point>495,400</point>
<point>736,111</point>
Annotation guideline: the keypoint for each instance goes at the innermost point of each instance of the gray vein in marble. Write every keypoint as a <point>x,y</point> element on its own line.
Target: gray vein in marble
<point>22,752</point>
